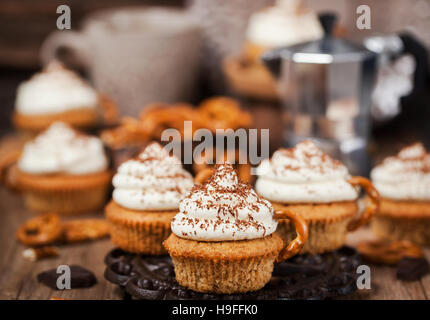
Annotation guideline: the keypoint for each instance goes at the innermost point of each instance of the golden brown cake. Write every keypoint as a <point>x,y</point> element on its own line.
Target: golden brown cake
<point>139,231</point>
<point>404,184</point>
<point>84,118</point>
<point>62,171</point>
<point>223,238</point>
<point>146,197</point>
<point>312,184</point>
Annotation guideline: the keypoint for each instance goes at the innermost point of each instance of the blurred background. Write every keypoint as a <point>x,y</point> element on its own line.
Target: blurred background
<point>138,59</point>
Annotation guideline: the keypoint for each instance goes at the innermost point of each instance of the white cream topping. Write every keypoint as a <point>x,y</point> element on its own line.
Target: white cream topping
<point>304,174</point>
<point>54,90</point>
<point>405,176</point>
<point>287,23</point>
<point>224,209</point>
<point>61,149</point>
<point>152,181</point>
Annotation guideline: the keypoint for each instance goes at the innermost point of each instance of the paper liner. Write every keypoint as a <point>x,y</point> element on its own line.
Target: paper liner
<point>60,182</point>
<point>404,208</point>
<point>82,118</point>
<point>223,277</point>
<point>60,193</point>
<point>416,230</point>
<point>225,274</point>
<point>139,231</point>
<point>67,202</point>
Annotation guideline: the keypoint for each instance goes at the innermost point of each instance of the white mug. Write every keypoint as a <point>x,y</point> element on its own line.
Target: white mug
<point>135,55</point>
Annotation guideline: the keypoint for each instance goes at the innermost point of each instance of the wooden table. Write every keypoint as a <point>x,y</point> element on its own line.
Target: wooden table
<point>18,275</point>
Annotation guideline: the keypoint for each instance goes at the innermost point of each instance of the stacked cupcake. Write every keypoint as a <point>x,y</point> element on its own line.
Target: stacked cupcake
<point>403,181</point>
<point>286,23</point>
<point>62,171</point>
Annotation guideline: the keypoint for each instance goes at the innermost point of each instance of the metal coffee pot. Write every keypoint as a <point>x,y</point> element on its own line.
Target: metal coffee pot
<point>326,87</point>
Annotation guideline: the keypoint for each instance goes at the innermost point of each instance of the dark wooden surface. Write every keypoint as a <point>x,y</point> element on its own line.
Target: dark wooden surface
<point>18,275</point>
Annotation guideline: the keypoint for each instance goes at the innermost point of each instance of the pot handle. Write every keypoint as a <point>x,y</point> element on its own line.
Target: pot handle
<point>371,207</point>
<point>71,42</point>
<point>297,244</point>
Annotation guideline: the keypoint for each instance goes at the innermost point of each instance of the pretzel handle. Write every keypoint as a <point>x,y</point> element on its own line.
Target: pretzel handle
<point>108,110</point>
<point>371,207</point>
<point>203,175</point>
<point>297,244</point>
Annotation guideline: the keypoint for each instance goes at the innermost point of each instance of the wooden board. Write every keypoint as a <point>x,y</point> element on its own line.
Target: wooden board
<point>18,275</point>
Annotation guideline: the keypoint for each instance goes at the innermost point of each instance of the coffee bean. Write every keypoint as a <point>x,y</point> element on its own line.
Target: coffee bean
<point>79,278</point>
<point>412,269</point>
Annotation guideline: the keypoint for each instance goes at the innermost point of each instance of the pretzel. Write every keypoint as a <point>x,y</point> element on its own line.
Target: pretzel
<point>204,159</point>
<point>130,132</point>
<point>85,230</point>
<point>41,230</point>
<point>386,252</point>
<point>34,254</point>
<point>109,110</point>
<point>371,206</point>
<point>223,113</point>
<point>212,114</point>
<point>302,231</point>
<point>48,229</point>
<point>158,116</point>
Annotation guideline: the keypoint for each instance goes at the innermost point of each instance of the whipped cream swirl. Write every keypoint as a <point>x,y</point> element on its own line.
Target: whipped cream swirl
<point>153,181</point>
<point>223,209</point>
<point>304,174</point>
<point>54,90</point>
<point>286,23</point>
<point>61,149</point>
<point>405,176</point>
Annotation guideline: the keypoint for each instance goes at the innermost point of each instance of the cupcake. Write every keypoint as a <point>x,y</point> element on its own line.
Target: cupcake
<point>146,197</point>
<point>223,238</point>
<point>307,181</point>
<point>286,23</point>
<point>404,184</point>
<point>63,171</point>
<point>57,94</point>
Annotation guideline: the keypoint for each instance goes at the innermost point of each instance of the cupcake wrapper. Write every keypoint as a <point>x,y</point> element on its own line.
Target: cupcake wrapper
<point>132,233</point>
<point>324,235</point>
<point>144,238</point>
<point>66,202</point>
<point>224,267</point>
<point>80,118</point>
<point>416,230</point>
<point>223,277</point>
